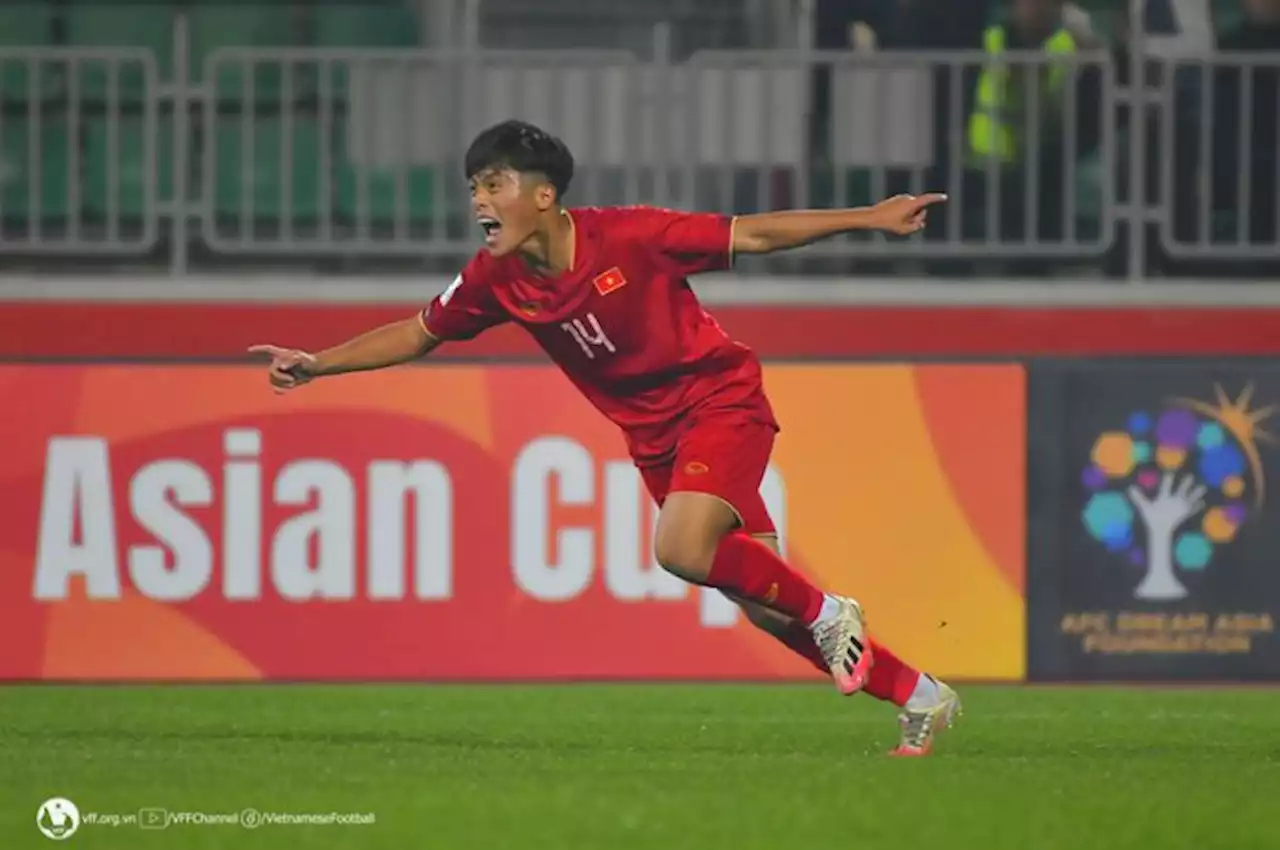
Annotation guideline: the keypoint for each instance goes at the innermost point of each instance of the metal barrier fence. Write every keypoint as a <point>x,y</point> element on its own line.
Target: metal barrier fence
<point>314,153</point>
<point>78,137</point>
<point>1219,181</point>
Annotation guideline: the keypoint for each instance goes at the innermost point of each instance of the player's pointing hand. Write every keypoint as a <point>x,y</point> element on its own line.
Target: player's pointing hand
<point>905,214</point>
<point>290,367</point>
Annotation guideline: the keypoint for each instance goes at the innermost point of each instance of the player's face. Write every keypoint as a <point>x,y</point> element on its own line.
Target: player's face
<point>507,206</point>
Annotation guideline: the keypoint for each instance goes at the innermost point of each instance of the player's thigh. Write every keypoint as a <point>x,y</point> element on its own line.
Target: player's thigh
<point>714,490</point>
<point>687,528</point>
<point>726,459</point>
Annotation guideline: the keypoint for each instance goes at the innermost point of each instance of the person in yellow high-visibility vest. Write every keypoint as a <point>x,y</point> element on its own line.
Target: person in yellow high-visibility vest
<point>1017,104</point>
<point>997,123</point>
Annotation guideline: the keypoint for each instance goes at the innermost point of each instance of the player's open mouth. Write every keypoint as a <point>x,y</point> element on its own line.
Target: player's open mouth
<point>492,228</point>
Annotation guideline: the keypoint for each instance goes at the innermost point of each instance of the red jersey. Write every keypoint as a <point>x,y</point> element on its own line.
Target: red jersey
<point>623,324</point>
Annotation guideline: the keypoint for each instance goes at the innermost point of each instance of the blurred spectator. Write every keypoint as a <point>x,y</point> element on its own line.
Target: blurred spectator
<point>898,24</point>
<point>892,25</point>
<point>1012,98</point>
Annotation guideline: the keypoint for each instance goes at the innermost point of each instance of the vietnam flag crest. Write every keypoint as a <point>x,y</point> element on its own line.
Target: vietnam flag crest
<point>610,281</point>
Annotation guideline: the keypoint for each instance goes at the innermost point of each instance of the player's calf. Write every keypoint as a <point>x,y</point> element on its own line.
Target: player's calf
<point>768,620</point>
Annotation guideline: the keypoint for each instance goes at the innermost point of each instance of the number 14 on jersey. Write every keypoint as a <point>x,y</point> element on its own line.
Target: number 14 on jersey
<point>589,335</point>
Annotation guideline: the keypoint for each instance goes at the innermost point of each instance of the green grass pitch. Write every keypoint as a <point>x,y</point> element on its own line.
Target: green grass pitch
<point>646,766</point>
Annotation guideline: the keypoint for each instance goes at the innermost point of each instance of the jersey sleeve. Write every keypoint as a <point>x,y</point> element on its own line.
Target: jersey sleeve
<point>465,309</point>
<point>694,242</point>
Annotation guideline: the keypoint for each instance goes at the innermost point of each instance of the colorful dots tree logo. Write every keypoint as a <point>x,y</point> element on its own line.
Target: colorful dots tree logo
<point>1175,486</point>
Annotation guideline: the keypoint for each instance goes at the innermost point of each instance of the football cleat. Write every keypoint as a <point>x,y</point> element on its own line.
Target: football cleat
<point>919,728</point>
<point>843,643</point>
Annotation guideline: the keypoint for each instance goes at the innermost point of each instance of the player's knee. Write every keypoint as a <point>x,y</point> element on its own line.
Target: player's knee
<point>690,529</point>
<point>683,554</point>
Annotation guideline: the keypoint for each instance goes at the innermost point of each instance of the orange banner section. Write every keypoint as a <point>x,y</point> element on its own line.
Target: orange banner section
<point>467,522</point>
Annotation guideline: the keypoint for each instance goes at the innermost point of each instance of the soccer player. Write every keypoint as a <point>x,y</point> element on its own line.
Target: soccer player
<point>604,292</point>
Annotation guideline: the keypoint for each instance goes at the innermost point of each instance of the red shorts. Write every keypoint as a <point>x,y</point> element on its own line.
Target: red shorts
<point>722,458</point>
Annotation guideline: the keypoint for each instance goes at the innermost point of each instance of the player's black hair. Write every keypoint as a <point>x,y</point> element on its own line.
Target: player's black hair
<point>524,148</point>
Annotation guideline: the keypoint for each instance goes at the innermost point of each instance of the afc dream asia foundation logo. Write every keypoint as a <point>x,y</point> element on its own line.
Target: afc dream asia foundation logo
<point>1175,486</point>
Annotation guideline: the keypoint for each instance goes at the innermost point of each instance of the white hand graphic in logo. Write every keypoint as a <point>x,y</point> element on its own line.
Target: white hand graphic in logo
<point>1162,515</point>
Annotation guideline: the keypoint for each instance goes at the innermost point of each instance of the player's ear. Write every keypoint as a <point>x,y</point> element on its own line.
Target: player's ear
<point>545,196</point>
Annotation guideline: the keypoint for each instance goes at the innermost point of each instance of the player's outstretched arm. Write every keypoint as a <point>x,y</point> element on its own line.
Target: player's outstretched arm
<point>763,233</point>
<point>389,345</point>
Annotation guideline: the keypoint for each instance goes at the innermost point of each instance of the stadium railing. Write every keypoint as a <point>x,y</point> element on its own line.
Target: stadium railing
<point>325,152</point>
<point>79,138</point>
<point>1219,180</point>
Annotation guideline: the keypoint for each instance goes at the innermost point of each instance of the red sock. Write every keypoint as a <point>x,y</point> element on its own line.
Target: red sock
<point>754,572</point>
<point>799,640</point>
<point>891,679</point>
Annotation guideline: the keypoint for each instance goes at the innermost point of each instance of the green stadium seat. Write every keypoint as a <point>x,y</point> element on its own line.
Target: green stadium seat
<point>215,24</point>
<point>27,24</point>
<point>381,194</point>
<point>381,23</point>
<point>132,164</point>
<point>268,168</point>
<point>17,165</point>
<point>92,23</point>
<point>23,25</point>
<point>385,24</point>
